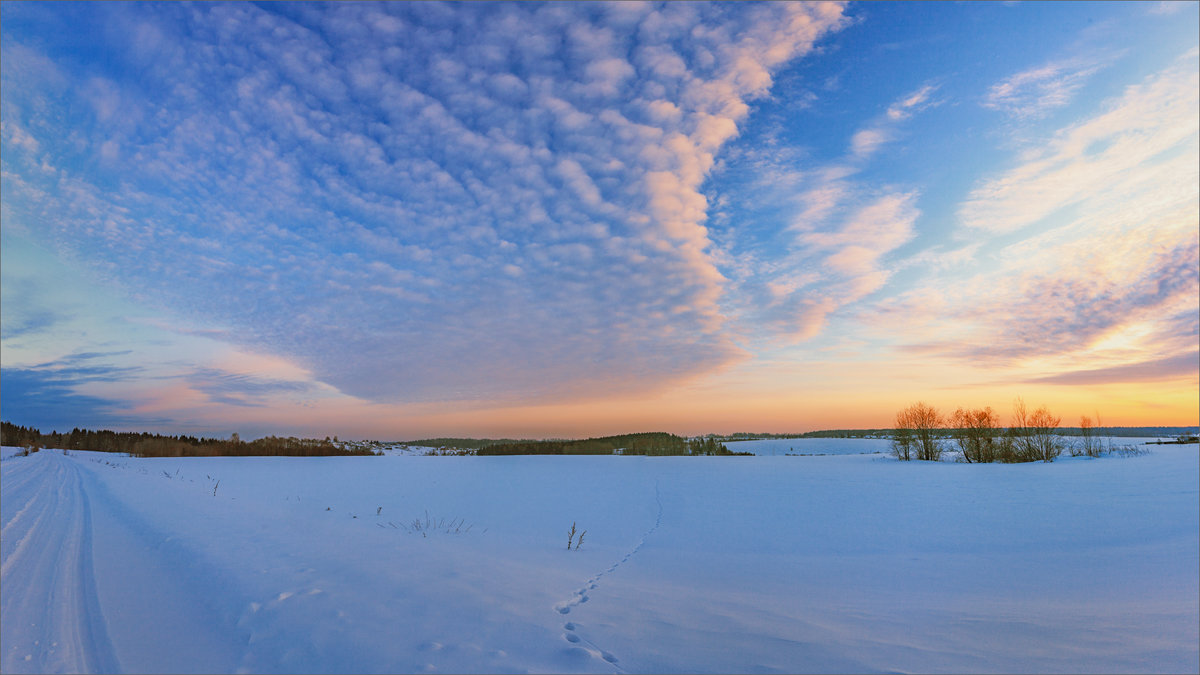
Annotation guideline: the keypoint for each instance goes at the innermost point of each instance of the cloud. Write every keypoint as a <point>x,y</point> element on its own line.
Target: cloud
<point>832,262</point>
<point>23,311</point>
<point>1035,92</point>
<point>1065,309</point>
<point>1120,154</point>
<point>913,103</point>
<point>15,136</point>
<point>866,141</point>
<point>360,207</point>
<point>1166,7</point>
<point>1186,365</point>
<point>239,389</point>
<point>843,231</point>
<point>48,396</point>
<point>839,234</point>
<point>1085,250</point>
<point>80,368</point>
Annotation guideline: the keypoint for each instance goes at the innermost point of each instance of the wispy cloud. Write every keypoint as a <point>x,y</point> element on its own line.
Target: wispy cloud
<point>845,260</point>
<point>1166,7</point>
<point>84,367</point>
<point>1087,248</point>
<point>1121,153</point>
<point>841,230</point>
<point>49,394</point>
<point>868,140</point>
<point>1035,92</point>
<point>913,103</point>
<point>240,389</point>
<point>22,312</point>
<point>1186,365</point>
<point>830,236</point>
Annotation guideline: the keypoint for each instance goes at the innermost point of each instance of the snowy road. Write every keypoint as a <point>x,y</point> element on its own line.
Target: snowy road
<point>75,559</point>
<point>55,625</point>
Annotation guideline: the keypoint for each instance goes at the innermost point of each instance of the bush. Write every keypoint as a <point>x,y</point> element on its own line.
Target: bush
<point>1035,434</point>
<point>903,444</point>
<point>975,431</point>
<point>1088,445</point>
<point>917,432</point>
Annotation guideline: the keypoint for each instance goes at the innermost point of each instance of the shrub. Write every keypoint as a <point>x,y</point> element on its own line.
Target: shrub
<point>1128,451</point>
<point>975,431</point>
<point>903,444</point>
<point>1036,437</point>
<point>916,430</point>
<point>1089,443</point>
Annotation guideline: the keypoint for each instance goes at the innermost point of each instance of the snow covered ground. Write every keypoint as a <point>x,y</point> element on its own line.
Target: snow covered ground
<point>689,564</point>
<point>812,446</point>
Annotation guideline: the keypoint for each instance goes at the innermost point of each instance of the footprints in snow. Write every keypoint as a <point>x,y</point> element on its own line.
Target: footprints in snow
<point>581,596</point>
<point>572,637</point>
<point>279,599</point>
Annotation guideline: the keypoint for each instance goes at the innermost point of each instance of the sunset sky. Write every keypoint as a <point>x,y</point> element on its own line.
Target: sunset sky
<point>404,220</point>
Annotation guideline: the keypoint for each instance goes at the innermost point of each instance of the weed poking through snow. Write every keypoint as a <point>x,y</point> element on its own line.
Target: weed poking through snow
<point>571,538</point>
<point>429,525</point>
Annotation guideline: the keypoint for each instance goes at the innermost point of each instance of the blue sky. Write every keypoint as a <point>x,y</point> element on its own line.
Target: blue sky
<point>403,219</point>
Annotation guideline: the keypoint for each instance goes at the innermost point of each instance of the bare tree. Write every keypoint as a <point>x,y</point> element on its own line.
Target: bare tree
<point>903,442</point>
<point>1089,444</point>
<point>975,433</point>
<point>916,429</point>
<point>1103,440</point>
<point>1035,434</point>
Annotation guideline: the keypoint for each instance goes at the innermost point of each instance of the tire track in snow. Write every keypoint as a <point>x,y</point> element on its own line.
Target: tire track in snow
<point>50,618</point>
<point>581,596</point>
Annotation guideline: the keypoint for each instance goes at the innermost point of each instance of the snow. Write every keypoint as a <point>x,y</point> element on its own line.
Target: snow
<point>812,446</point>
<point>852,562</point>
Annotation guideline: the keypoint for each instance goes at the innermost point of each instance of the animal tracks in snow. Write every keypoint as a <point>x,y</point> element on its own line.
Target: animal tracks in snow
<point>581,596</point>
<point>581,644</point>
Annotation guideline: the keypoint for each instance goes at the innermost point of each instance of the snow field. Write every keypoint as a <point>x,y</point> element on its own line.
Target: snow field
<point>690,564</point>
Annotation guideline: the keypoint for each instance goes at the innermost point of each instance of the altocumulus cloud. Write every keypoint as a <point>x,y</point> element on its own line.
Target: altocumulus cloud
<point>415,202</point>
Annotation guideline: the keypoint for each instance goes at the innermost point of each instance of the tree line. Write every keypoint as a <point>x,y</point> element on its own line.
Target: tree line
<point>921,433</point>
<point>156,445</point>
<point>652,443</point>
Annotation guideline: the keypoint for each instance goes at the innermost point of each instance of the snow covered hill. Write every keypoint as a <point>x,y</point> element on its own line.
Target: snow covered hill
<point>689,564</point>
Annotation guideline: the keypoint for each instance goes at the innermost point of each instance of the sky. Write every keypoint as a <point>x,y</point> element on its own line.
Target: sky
<point>396,221</point>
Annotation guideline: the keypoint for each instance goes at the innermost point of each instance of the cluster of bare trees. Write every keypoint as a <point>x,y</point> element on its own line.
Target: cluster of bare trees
<point>921,430</point>
<point>917,433</point>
